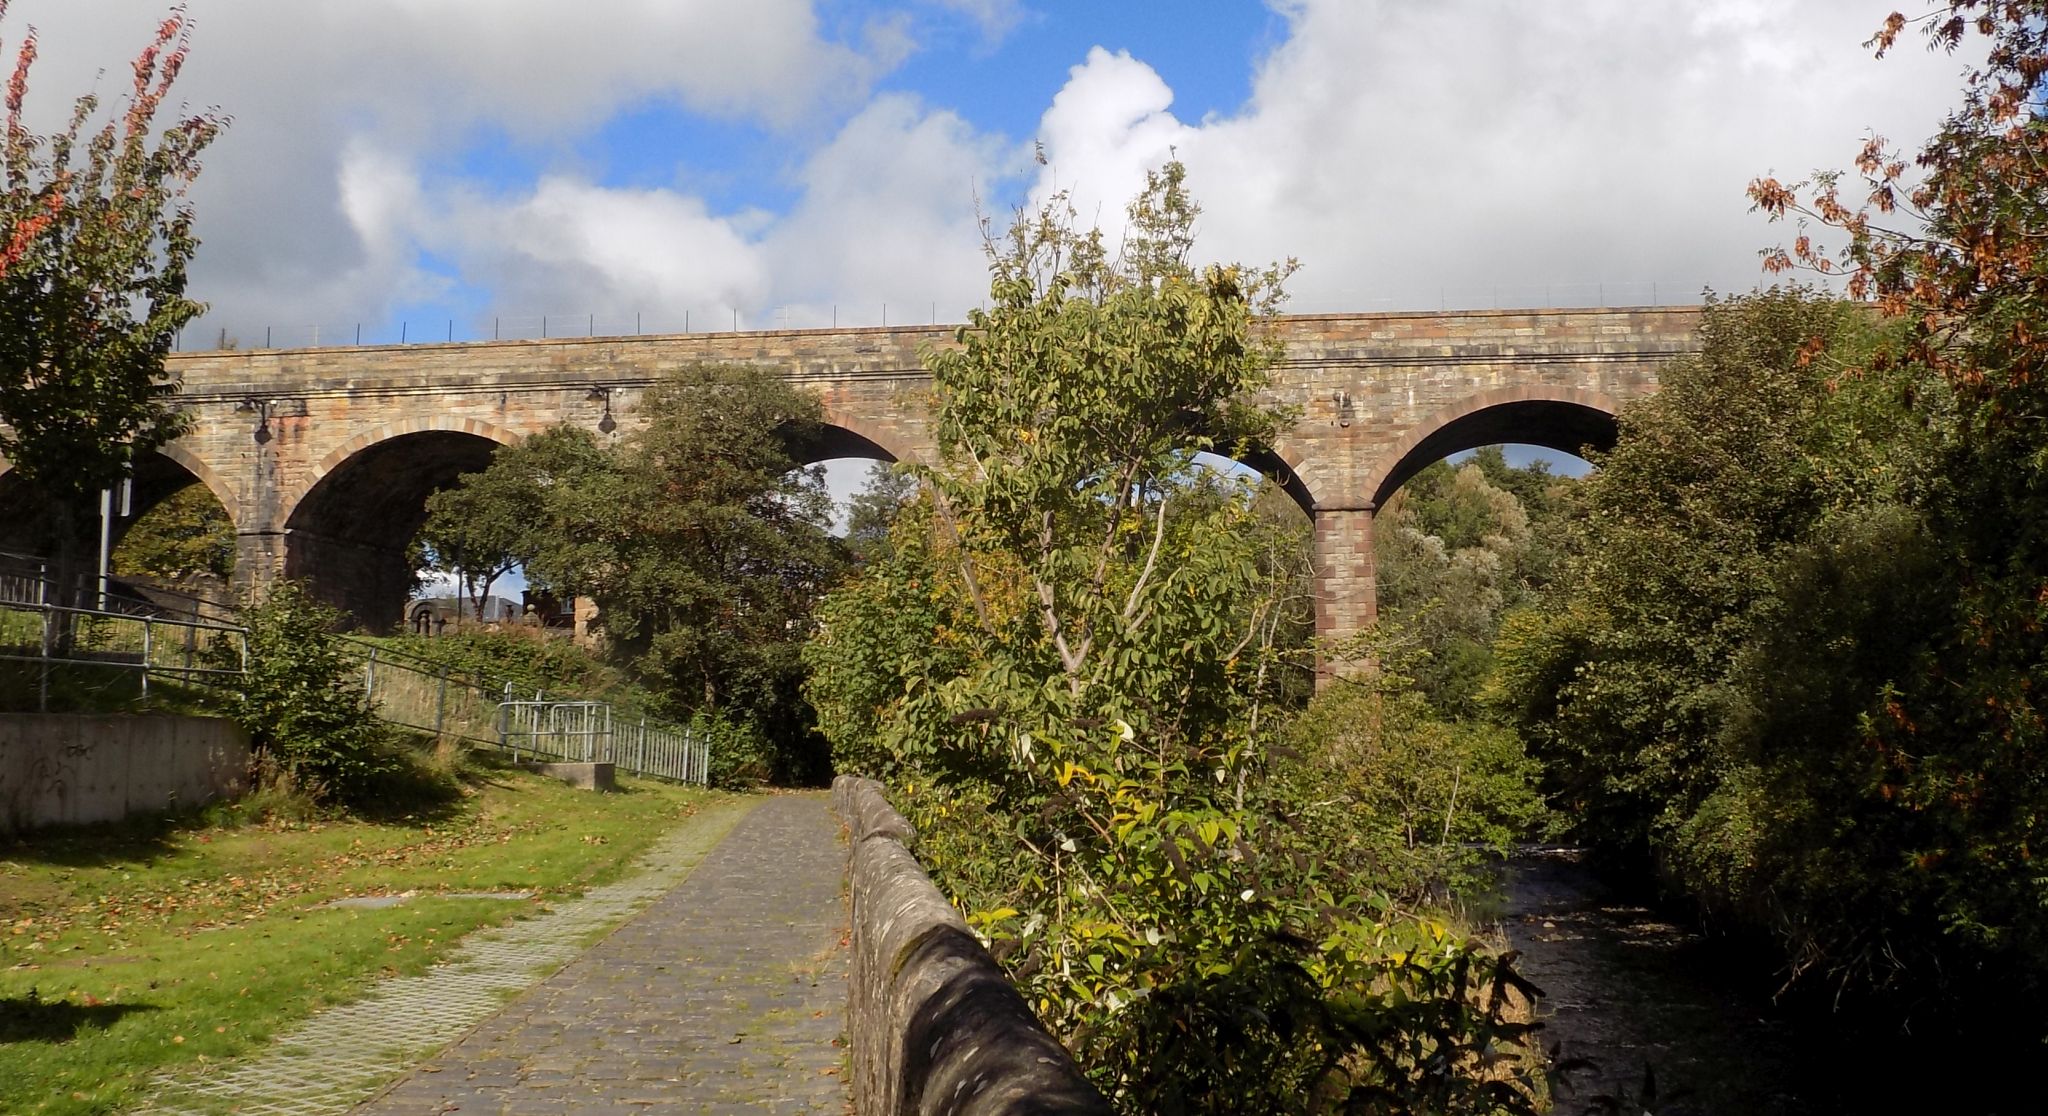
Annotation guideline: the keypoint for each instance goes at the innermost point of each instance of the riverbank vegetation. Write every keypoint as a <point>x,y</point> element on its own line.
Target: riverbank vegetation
<point>1074,660</point>
<point>1794,660</point>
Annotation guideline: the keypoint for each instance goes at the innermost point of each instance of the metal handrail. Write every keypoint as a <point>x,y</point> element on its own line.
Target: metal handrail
<point>588,732</point>
<point>188,664</point>
<point>403,689</point>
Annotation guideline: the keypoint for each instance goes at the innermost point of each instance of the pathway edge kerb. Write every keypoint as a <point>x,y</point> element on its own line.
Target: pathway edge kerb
<point>936,1026</point>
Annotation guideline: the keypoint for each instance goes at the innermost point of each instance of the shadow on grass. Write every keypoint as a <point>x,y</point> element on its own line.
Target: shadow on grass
<point>137,840</point>
<point>410,789</point>
<point>413,790</point>
<point>113,687</point>
<point>29,1019</point>
<point>481,768</point>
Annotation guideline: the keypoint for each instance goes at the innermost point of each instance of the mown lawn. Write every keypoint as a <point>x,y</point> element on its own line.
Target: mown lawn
<point>131,950</point>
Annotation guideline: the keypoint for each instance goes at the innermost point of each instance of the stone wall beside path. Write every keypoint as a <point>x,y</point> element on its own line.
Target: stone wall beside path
<point>937,1029</point>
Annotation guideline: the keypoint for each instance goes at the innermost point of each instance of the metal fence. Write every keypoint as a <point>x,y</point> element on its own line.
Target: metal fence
<point>214,333</point>
<point>587,732</point>
<point>107,650</point>
<point>136,642</point>
<point>417,694</point>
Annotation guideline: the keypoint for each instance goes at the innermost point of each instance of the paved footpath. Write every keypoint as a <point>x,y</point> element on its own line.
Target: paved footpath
<point>727,994</point>
<point>723,991</point>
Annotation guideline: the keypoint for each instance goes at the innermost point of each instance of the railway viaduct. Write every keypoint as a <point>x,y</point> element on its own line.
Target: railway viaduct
<point>324,457</point>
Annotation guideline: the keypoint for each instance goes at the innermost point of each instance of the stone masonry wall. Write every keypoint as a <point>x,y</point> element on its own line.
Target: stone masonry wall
<point>937,1029</point>
<point>1373,395</point>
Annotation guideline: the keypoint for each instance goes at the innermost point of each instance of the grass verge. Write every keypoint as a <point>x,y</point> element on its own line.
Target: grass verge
<point>126,951</point>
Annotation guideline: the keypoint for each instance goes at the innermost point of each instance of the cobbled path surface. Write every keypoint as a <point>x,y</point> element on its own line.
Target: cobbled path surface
<point>726,995</point>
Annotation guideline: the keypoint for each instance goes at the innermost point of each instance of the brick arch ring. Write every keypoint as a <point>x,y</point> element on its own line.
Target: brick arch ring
<point>227,493</point>
<point>888,441</point>
<point>1572,410</point>
<point>380,434</point>
<point>223,491</point>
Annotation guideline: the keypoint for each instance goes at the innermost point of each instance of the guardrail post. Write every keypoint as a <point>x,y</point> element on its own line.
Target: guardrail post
<point>145,657</point>
<point>49,648</point>
<point>370,677</point>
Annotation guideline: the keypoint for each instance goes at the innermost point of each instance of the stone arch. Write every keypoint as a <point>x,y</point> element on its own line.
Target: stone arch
<point>224,490</point>
<point>1566,419</point>
<point>157,475</point>
<point>346,532</point>
<point>850,435</point>
<point>1282,465</point>
<point>386,432</point>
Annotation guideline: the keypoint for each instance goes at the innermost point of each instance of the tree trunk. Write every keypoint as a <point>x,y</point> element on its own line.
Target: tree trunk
<point>69,588</point>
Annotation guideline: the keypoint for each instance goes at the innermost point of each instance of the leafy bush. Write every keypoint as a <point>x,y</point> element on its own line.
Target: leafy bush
<point>742,757</point>
<point>1763,672</point>
<point>1402,797</point>
<point>526,657</point>
<point>302,702</point>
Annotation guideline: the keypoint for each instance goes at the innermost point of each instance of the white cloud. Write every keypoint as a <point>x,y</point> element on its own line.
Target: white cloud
<point>339,103</point>
<point>1106,127</point>
<point>570,246</point>
<point>1402,149</point>
<point>888,216</point>
<point>533,67</point>
<point>1397,148</point>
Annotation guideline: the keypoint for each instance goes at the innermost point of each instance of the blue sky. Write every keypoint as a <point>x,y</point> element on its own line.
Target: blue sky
<point>404,163</point>
<point>427,168</point>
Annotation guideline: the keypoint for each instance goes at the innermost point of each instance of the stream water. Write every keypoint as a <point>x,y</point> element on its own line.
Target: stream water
<point>1632,993</point>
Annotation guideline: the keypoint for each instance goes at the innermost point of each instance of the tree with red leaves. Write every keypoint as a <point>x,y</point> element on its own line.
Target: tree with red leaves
<point>1951,239</point>
<point>1952,244</point>
<point>95,238</point>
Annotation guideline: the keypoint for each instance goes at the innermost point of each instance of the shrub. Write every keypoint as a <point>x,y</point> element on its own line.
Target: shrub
<point>301,701</point>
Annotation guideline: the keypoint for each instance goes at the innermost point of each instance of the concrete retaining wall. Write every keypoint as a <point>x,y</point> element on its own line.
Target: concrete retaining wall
<point>73,769</point>
<point>936,1027</point>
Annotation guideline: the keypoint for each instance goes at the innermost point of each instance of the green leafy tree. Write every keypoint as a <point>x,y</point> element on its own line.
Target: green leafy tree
<point>95,238</point>
<point>1945,240</point>
<point>556,496</point>
<point>301,697</point>
<point>185,536</point>
<point>725,549</point>
<point>1393,792</point>
<point>1752,574</point>
<point>702,540</point>
<point>1456,550</point>
<point>481,529</point>
<point>873,510</point>
<point>1069,661</point>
